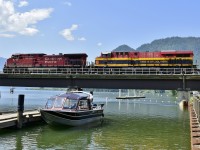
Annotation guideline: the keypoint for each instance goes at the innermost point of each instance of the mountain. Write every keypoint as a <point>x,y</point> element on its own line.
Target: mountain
<point>172,43</point>
<point>2,62</point>
<point>175,43</point>
<point>123,48</point>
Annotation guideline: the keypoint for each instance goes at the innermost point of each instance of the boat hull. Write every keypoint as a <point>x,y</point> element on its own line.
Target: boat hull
<point>71,118</point>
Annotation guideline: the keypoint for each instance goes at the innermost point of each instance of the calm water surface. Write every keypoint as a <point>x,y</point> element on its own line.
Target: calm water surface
<point>152,123</point>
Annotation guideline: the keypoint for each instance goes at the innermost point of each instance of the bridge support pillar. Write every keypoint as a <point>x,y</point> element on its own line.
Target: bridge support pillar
<point>183,97</point>
<point>120,92</point>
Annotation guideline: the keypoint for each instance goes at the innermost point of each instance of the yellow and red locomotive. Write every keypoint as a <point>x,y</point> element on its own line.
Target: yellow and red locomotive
<point>164,59</point>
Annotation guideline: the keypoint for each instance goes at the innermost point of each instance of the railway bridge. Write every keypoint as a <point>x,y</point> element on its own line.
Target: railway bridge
<point>108,78</point>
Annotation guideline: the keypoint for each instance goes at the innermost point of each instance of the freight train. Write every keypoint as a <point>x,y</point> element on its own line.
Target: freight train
<point>157,59</point>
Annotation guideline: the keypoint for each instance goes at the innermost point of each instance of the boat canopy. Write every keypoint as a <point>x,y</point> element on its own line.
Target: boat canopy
<point>75,96</point>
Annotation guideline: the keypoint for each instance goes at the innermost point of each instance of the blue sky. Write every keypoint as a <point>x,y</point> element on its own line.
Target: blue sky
<point>92,26</point>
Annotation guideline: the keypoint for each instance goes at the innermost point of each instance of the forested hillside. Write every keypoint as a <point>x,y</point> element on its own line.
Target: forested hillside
<point>175,43</point>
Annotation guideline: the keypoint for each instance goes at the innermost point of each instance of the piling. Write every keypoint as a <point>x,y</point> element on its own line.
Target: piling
<point>20,110</point>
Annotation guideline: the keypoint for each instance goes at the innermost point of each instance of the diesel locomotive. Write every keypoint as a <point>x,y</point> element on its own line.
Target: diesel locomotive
<point>40,60</point>
<point>165,58</point>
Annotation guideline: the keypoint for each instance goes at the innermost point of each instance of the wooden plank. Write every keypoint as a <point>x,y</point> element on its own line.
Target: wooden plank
<point>195,134</point>
<point>13,115</point>
<point>8,123</point>
<point>9,120</point>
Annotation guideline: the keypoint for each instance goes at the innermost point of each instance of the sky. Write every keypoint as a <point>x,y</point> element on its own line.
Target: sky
<point>92,26</point>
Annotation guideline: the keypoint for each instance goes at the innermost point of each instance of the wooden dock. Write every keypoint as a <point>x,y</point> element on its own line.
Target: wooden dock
<point>194,129</point>
<point>10,119</point>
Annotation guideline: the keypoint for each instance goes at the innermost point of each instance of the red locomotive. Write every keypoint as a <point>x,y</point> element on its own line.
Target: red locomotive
<point>40,60</point>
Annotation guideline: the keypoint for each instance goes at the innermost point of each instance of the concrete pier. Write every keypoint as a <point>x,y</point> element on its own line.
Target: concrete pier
<point>183,97</point>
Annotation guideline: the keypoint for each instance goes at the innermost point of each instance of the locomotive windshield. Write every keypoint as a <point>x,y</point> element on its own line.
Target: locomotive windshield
<point>106,55</point>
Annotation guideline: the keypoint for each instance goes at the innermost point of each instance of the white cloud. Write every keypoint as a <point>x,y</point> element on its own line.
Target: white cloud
<point>82,39</point>
<point>74,27</point>
<point>29,31</point>
<point>21,23</point>
<point>7,35</point>
<point>99,44</point>
<point>67,33</point>
<point>67,3</point>
<point>23,3</point>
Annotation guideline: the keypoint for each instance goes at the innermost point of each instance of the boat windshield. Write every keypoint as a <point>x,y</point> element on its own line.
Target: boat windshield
<point>59,102</point>
<point>49,103</point>
<point>70,104</point>
<point>55,102</point>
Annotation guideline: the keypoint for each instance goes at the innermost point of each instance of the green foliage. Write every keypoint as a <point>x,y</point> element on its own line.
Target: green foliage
<point>174,93</point>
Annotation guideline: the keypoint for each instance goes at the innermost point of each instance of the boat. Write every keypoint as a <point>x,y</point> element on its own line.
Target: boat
<point>73,108</point>
<point>129,97</point>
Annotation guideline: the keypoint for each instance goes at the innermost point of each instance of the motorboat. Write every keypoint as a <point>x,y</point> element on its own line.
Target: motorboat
<point>73,108</point>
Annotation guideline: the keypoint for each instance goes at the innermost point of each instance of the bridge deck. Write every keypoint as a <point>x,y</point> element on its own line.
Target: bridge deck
<point>106,78</point>
<point>105,81</point>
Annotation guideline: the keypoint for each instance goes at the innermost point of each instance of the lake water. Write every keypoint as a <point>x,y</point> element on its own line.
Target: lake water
<point>152,123</point>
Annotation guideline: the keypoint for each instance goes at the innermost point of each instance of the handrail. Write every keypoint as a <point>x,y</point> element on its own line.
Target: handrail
<point>130,71</point>
<point>196,105</point>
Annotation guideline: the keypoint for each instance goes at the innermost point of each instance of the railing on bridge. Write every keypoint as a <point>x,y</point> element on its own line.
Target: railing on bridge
<point>129,71</point>
<point>196,106</point>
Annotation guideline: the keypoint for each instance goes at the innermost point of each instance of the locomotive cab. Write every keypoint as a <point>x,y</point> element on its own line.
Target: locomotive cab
<point>103,59</point>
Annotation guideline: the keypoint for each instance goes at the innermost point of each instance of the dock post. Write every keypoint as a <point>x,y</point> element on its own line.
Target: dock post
<point>20,111</point>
